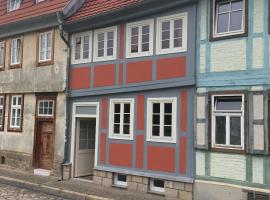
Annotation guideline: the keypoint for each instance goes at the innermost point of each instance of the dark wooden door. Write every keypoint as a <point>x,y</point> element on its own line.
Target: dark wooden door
<point>45,144</point>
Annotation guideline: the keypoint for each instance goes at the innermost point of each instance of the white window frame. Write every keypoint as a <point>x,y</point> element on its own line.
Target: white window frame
<point>46,115</point>
<point>46,46</point>
<point>39,1</point>
<point>159,50</point>
<point>81,60</point>
<point>228,113</point>
<point>161,138</point>
<point>2,107</point>
<point>105,31</point>
<point>10,8</point>
<point>154,188</point>
<point>116,182</point>
<point>111,119</point>
<point>16,107</point>
<point>215,20</point>
<point>2,53</point>
<point>18,51</point>
<point>140,24</point>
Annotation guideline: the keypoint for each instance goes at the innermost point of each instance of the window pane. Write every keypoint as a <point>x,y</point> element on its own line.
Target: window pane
<point>110,52</point>
<point>237,5</point>
<point>117,108</point>
<point>165,44</point>
<point>178,24</point>
<point>145,39</point>
<point>167,131</point>
<point>168,120</point>
<point>116,118</point>
<point>110,35</point>
<point>145,47</point>
<point>155,131</point>
<point>158,183</point>
<point>126,118</point>
<point>122,178</point>
<point>166,35</point>
<point>127,108</point>
<point>236,21</point>
<point>220,130</point>
<point>145,29</point>
<point>134,48</point>
<point>156,108</point>
<point>168,107</point>
<point>134,31</point>
<point>83,144</point>
<point>126,129</point>
<point>177,42</point>
<point>156,119</point>
<point>228,103</point>
<point>235,132</point>
<point>222,23</point>
<point>223,7</point>
<point>116,129</point>
<point>166,26</point>
<point>1,53</point>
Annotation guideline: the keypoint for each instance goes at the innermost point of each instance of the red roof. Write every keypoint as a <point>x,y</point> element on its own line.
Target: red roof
<point>29,9</point>
<point>95,7</point>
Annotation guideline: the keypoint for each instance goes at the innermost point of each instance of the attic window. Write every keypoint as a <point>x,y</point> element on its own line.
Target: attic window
<point>13,4</point>
<point>39,1</point>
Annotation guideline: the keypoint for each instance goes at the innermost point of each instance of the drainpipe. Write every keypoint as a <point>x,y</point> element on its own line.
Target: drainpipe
<point>60,25</point>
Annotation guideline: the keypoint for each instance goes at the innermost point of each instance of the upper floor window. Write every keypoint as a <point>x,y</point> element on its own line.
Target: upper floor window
<point>105,43</point>
<point>13,4</point>
<point>229,17</point>
<point>121,118</point>
<point>16,103</point>
<point>39,1</point>
<point>16,51</point>
<point>139,39</point>
<point>81,47</point>
<point>161,119</point>
<point>2,111</point>
<point>172,34</point>
<point>45,47</point>
<point>228,121</point>
<point>2,55</point>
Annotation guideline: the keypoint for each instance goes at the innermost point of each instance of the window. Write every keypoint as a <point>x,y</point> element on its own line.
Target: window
<point>81,46</point>
<point>39,1</point>
<point>105,44</point>
<point>229,17</point>
<point>2,111</point>
<point>2,55</point>
<point>172,34</point>
<point>45,46</point>
<point>120,180</point>
<point>157,185</point>
<point>258,196</point>
<point>121,118</point>
<point>16,103</point>
<point>228,121</point>
<point>16,52</point>
<point>140,38</point>
<point>46,108</point>
<point>13,4</point>
<point>161,120</point>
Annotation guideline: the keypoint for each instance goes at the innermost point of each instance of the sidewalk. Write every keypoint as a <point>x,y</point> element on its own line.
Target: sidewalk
<point>73,189</point>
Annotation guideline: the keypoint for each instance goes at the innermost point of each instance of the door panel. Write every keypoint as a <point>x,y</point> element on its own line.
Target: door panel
<point>45,145</point>
<point>85,146</point>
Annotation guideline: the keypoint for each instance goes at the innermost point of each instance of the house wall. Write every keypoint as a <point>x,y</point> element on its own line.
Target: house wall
<point>230,66</point>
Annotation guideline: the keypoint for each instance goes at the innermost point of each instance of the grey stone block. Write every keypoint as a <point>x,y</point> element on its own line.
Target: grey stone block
<point>184,195</point>
<point>171,193</point>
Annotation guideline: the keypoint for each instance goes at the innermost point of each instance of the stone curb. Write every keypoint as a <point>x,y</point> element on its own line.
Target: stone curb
<point>62,193</point>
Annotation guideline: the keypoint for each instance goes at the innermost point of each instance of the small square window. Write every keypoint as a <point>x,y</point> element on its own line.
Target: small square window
<point>157,185</point>
<point>229,17</point>
<point>120,180</point>
<point>46,108</point>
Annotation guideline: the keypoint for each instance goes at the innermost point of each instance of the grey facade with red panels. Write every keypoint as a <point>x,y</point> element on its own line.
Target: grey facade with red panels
<point>157,76</point>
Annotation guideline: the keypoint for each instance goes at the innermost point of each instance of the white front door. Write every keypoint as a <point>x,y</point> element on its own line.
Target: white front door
<point>85,146</point>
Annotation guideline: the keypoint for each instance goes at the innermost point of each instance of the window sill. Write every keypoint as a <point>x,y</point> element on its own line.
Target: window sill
<point>119,186</point>
<point>15,66</point>
<point>161,140</point>
<point>156,193</point>
<point>45,63</point>
<point>228,150</point>
<point>137,55</point>
<point>169,51</point>
<point>103,59</point>
<point>229,36</point>
<point>17,130</point>
<point>117,137</point>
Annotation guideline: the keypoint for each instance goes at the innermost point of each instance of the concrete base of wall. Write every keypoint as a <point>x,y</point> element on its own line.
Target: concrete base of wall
<point>207,191</point>
<point>178,190</point>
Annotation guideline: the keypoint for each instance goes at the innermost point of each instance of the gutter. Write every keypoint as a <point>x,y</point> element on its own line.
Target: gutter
<point>60,25</point>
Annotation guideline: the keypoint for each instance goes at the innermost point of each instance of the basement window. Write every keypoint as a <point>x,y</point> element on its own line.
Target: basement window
<point>157,185</point>
<point>120,180</point>
<point>256,196</point>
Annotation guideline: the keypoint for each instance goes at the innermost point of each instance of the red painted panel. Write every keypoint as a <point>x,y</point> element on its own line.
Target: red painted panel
<point>80,78</point>
<point>140,112</point>
<point>120,155</point>
<point>122,37</point>
<point>139,151</point>
<point>104,75</point>
<point>102,154</point>
<point>139,71</point>
<point>104,113</point>
<point>171,68</point>
<point>183,155</point>
<point>161,159</point>
<point>183,119</point>
<point>120,74</point>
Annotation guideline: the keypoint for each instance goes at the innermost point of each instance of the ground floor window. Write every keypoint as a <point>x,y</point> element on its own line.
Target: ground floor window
<point>157,185</point>
<point>2,110</point>
<point>120,180</point>
<point>15,112</point>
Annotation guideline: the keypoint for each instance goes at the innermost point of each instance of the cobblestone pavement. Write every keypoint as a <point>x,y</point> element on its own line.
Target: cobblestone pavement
<point>8,192</point>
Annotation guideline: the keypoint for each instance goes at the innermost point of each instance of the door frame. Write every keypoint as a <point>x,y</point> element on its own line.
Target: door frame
<point>38,119</point>
<point>73,132</point>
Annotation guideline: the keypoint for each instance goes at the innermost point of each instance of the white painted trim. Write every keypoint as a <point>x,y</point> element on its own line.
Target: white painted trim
<point>46,115</point>
<point>16,107</point>
<point>161,138</point>
<point>171,18</point>
<point>227,113</point>
<point>111,119</point>
<point>140,24</point>
<point>73,133</point>
<point>105,31</point>
<point>73,41</point>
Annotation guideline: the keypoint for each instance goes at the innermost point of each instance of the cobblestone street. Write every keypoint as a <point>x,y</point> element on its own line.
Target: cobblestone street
<point>8,192</point>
